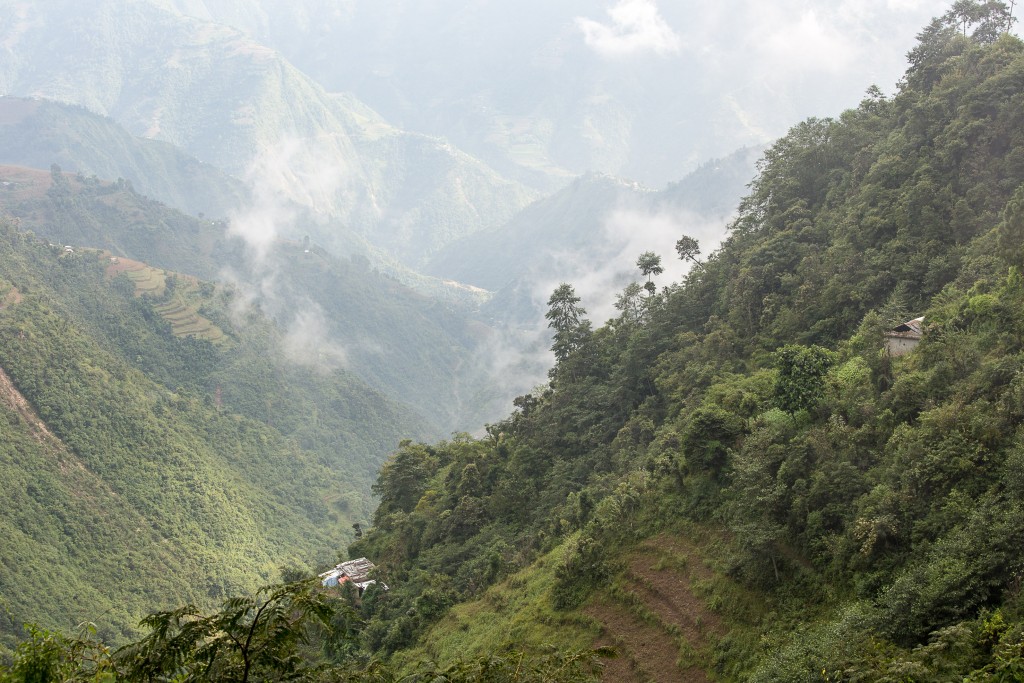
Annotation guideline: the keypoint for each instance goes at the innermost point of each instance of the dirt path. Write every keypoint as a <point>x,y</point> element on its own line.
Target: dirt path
<point>659,626</point>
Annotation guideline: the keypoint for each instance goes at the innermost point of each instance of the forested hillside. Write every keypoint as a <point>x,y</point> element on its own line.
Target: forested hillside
<point>845,514</point>
<point>155,451</point>
<point>733,479</point>
<point>37,133</point>
<point>422,351</point>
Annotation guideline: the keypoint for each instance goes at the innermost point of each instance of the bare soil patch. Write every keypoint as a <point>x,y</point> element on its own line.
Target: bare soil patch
<point>656,617</point>
<point>646,653</point>
<point>14,401</point>
<point>18,183</point>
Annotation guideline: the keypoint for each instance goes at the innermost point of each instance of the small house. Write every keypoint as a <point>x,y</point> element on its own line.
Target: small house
<point>902,339</point>
<point>355,571</point>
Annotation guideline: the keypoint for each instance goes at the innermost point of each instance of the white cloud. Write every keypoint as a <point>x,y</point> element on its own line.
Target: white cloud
<point>628,233</point>
<point>521,356</point>
<point>308,342</point>
<point>812,42</point>
<point>636,26</point>
<point>285,176</point>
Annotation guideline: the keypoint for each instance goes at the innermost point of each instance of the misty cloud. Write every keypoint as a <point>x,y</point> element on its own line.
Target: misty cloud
<point>810,41</point>
<point>307,340</point>
<point>284,178</point>
<point>627,233</point>
<point>636,26</point>
<point>519,357</point>
<point>289,174</point>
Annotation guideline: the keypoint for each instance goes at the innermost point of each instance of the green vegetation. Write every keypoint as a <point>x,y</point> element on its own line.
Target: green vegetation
<point>869,506</point>
<point>735,465</point>
<point>418,350</point>
<point>145,465</point>
<point>289,632</point>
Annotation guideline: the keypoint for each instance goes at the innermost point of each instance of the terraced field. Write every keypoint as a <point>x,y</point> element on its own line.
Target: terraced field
<point>186,321</point>
<point>654,617</point>
<point>181,311</point>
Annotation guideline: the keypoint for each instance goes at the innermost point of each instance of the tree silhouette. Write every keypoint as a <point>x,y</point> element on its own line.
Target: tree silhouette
<point>688,249</point>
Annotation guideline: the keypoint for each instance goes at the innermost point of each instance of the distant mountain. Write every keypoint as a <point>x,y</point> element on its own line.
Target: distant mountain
<point>639,89</point>
<point>591,228</point>
<point>567,222</point>
<point>38,133</point>
<point>590,234</point>
<point>420,350</point>
<point>240,106</point>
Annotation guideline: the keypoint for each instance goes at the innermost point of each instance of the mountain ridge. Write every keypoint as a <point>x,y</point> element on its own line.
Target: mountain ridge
<point>160,75</point>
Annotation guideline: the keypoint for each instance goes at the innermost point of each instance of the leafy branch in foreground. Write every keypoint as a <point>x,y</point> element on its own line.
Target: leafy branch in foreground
<point>252,638</point>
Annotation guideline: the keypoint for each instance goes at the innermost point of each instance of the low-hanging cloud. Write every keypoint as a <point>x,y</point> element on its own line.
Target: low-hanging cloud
<point>307,340</point>
<point>520,356</point>
<point>291,173</point>
<point>627,233</point>
<point>285,179</point>
<point>636,26</point>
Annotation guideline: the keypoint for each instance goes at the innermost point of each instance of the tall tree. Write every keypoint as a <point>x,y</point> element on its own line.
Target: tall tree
<point>649,264</point>
<point>1010,232</point>
<point>565,317</point>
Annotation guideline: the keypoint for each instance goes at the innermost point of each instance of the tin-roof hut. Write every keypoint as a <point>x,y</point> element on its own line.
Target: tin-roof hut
<point>902,339</point>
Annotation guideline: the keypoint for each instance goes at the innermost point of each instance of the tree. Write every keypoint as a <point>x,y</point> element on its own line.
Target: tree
<point>49,656</point>
<point>403,478</point>
<point>992,18</point>
<point>649,264</point>
<point>1010,232</point>
<point>251,638</point>
<point>802,369</point>
<point>565,317</point>
<point>688,249</point>
<point>631,303</point>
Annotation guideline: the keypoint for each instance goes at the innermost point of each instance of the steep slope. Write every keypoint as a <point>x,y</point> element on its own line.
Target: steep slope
<point>148,466</point>
<point>741,465</point>
<point>421,351</point>
<point>39,133</point>
<point>240,106</point>
<point>864,505</point>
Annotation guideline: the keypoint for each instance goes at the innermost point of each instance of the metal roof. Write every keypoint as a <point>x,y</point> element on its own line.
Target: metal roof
<point>912,329</point>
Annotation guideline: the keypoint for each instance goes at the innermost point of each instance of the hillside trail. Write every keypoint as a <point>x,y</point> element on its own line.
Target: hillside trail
<point>661,629</point>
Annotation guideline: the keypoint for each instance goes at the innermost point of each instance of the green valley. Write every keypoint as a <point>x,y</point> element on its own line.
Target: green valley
<point>152,456</point>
